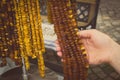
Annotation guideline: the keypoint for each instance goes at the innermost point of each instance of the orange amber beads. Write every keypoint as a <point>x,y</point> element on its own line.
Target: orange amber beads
<point>75,63</point>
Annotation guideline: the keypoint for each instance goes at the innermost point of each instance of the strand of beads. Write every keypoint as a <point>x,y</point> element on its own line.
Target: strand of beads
<point>13,36</point>
<point>25,32</point>
<point>19,27</point>
<point>9,39</point>
<point>75,62</point>
<point>2,32</point>
<point>32,29</point>
<point>40,44</point>
<point>49,12</point>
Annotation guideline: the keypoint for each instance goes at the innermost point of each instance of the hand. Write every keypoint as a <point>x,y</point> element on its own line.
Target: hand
<point>96,45</point>
<point>100,47</point>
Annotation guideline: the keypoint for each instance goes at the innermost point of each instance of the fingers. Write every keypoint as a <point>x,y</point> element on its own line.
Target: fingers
<point>58,49</point>
<point>56,42</point>
<point>59,54</point>
<point>86,33</point>
<point>57,46</point>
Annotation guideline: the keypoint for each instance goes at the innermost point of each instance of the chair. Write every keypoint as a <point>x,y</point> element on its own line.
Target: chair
<point>87,11</point>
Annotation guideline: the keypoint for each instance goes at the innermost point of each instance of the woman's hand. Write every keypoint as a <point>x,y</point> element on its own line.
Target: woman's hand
<point>100,47</point>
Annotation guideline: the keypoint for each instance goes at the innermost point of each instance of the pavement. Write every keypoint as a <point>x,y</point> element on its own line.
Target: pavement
<point>109,18</point>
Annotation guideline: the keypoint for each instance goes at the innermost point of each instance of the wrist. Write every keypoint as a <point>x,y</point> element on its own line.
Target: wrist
<point>114,53</point>
<point>114,59</point>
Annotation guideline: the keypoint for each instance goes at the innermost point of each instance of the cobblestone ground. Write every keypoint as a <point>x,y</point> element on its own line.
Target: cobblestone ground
<point>109,23</point>
<point>109,18</point>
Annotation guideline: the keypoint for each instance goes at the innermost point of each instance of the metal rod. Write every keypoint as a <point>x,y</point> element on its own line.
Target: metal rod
<point>25,77</point>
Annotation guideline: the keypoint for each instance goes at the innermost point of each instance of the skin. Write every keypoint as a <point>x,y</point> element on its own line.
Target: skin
<point>100,48</point>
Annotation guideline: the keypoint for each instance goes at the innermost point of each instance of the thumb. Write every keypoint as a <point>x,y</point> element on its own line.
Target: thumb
<point>85,33</point>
